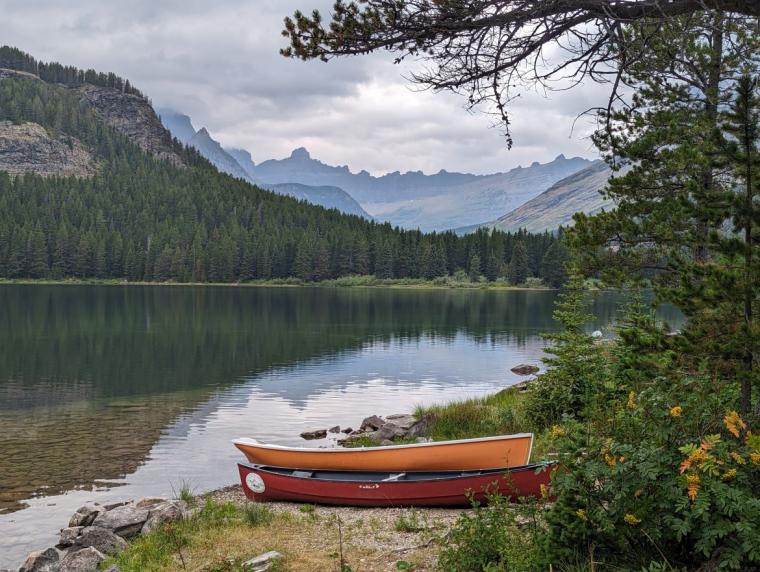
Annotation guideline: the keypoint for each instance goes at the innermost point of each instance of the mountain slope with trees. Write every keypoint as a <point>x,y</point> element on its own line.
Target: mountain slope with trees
<point>170,215</point>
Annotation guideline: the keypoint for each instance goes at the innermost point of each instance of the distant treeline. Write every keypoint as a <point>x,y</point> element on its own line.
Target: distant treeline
<point>15,59</point>
<point>142,219</point>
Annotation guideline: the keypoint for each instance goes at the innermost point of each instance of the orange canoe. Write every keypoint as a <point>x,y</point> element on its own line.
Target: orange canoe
<point>464,454</point>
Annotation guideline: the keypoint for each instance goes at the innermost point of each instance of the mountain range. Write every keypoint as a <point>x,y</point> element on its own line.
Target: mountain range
<point>555,207</point>
<point>436,202</point>
<point>240,164</point>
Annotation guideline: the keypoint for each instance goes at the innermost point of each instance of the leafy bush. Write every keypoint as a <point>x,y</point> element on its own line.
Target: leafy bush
<point>488,539</point>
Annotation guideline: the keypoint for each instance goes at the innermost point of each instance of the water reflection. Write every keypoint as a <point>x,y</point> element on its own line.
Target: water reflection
<point>110,392</point>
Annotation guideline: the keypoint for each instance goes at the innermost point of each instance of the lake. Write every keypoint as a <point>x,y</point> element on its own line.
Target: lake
<point>113,392</point>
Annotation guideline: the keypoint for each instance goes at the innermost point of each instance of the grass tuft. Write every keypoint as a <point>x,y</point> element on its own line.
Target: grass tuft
<point>257,514</point>
<point>497,414</point>
<point>184,492</point>
<point>410,522</point>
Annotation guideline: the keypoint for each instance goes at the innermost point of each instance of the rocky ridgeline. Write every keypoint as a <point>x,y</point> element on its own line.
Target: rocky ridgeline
<point>134,117</point>
<point>379,430</point>
<point>97,531</point>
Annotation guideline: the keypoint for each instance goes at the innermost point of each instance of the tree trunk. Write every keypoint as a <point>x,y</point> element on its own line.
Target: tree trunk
<point>712,99</point>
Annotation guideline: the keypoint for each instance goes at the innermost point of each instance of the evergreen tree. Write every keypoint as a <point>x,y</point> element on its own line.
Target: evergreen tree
<point>553,264</point>
<point>518,266</point>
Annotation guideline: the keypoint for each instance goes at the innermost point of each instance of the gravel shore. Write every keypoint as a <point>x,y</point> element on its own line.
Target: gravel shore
<point>382,536</point>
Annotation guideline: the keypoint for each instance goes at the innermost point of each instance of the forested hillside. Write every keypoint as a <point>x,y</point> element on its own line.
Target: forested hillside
<point>141,218</point>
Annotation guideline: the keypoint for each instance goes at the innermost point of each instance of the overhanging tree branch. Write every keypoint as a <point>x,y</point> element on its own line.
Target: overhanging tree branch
<point>485,49</point>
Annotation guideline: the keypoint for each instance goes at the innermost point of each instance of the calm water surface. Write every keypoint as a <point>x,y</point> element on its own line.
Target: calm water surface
<point>118,392</point>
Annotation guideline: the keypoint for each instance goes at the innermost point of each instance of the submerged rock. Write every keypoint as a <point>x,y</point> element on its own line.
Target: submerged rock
<point>525,369</point>
<point>335,429</point>
<point>311,435</point>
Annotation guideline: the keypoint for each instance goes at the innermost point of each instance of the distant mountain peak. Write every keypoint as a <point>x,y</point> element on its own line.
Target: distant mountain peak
<point>301,154</point>
<point>203,132</point>
<point>560,157</point>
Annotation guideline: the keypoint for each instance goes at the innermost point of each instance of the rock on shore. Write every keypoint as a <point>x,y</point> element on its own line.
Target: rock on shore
<point>384,430</point>
<point>96,531</point>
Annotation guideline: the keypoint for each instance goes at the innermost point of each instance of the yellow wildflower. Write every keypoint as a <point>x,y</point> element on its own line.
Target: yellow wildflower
<point>676,411</point>
<point>734,423</point>
<point>631,519</point>
<point>738,458</point>
<point>609,458</point>
<point>580,513</point>
<point>692,486</point>
<point>557,432</point>
<point>755,458</point>
<point>544,491</point>
<point>728,475</point>
<point>697,456</point>
<point>632,400</point>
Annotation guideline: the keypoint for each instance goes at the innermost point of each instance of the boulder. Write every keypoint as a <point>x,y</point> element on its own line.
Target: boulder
<point>335,429</point>
<point>85,514</point>
<point>101,539</point>
<point>149,502</point>
<point>47,560</point>
<point>525,369</point>
<point>165,512</point>
<point>117,504</point>
<point>372,423</point>
<point>311,435</point>
<point>85,560</point>
<point>419,428</point>
<point>389,432</point>
<point>69,535</point>
<point>126,520</point>
<point>347,430</point>
<point>402,420</point>
<point>262,562</point>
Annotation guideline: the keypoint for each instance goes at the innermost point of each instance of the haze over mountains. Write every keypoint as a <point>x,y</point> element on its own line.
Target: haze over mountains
<point>240,164</point>
<point>440,201</point>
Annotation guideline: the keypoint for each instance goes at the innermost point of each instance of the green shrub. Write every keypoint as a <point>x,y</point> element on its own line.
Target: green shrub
<point>488,539</point>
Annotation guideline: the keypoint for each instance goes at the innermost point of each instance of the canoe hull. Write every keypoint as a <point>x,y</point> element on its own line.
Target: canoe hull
<point>466,454</point>
<point>454,490</point>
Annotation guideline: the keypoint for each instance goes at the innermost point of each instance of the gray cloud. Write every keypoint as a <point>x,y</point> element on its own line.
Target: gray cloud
<point>219,63</point>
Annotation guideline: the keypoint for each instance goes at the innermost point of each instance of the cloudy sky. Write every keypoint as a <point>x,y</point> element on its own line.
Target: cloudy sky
<point>218,62</point>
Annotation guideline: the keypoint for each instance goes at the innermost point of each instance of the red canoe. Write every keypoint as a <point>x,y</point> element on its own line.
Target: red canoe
<point>352,488</point>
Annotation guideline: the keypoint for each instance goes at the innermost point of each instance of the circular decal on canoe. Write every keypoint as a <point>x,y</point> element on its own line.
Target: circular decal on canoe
<point>255,483</point>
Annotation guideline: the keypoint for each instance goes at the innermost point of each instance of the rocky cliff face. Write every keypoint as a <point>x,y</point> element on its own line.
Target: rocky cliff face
<point>134,117</point>
<point>28,148</point>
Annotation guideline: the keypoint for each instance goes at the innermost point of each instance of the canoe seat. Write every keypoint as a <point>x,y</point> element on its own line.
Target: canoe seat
<point>303,474</point>
<point>395,477</point>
